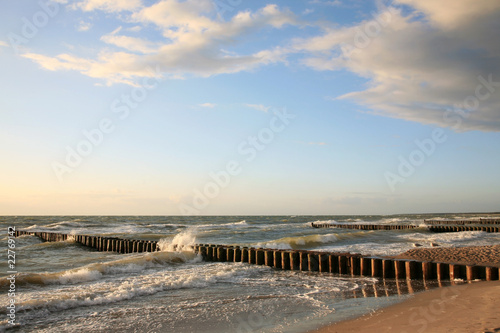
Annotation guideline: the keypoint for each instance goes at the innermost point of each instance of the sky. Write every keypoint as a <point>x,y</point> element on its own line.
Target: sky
<point>239,107</point>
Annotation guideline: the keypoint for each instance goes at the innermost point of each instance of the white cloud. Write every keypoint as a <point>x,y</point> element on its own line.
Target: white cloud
<point>84,26</point>
<point>258,107</point>
<point>308,11</point>
<point>193,42</point>
<point>135,28</point>
<point>327,3</point>
<point>208,105</point>
<point>112,67</point>
<point>419,63</point>
<point>420,69</point>
<point>107,5</point>
<point>4,44</point>
<point>133,44</point>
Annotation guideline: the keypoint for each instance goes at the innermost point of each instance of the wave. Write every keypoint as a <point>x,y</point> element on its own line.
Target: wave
<point>128,287</point>
<point>311,241</point>
<point>322,222</point>
<point>299,242</point>
<point>97,271</point>
<point>181,242</point>
<point>51,245</point>
<point>239,224</point>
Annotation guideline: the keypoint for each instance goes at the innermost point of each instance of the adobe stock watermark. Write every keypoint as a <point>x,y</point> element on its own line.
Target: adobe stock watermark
<point>223,6</point>
<point>32,25</point>
<point>94,137</point>
<point>248,149</point>
<point>425,148</point>
<point>253,322</point>
<point>422,316</point>
<point>365,35</point>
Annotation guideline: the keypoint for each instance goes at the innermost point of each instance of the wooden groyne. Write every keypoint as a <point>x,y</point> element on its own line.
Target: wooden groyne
<point>433,228</point>
<point>364,226</point>
<point>463,222</point>
<point>295,260</point>
<point>447,228</point>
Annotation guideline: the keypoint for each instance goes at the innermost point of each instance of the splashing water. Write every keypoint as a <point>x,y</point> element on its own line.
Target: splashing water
<point>183,241</point>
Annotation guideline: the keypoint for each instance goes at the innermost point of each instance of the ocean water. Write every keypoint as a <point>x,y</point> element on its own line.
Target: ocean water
<point>65,287</point>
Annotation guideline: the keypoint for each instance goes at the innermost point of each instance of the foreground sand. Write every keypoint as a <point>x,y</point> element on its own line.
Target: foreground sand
<point>471,307</point>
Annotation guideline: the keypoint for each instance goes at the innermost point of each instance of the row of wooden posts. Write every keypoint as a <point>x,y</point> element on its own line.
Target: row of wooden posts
<point>364,226</point>
<point>463,222</point>
<point>432,228</point>
<point>296,260</point>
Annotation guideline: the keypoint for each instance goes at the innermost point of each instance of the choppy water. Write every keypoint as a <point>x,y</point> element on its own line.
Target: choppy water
<point>65,287</point>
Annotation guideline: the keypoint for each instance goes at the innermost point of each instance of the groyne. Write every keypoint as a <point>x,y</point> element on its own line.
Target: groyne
<point>432,228</point>
<point>295,260</point>
<point>463,222</point>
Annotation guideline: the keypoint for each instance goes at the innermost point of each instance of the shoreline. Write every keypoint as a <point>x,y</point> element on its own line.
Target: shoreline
<point>470,307</point>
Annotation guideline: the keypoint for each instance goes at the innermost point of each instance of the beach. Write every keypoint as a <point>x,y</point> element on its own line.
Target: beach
<point>176,291</point>
<point>470,307</point>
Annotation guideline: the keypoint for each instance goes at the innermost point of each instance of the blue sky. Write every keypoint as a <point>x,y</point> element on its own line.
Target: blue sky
<point>249,107</point>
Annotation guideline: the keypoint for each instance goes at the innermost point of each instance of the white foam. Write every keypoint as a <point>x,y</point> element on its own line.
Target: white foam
<point>239,224</point>
<point>118,289</point>
<point>322,222</point>
<point>80,275</point>
<point>181,242</point>
<point>289,242</point>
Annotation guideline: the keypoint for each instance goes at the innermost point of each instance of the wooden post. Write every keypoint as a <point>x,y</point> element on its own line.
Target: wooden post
<point>355,266</point>
<point>492,273</point>
<point>304,262</point>
<point>333,263</point>
<point>323,262</point>
<point>428,270</point>
<point>377,267</point>
<point>294,261</point>
<point>210,253</point>
<point>313,261</point>
<point>202,250</point>
<point>260,257</point>
<point>285,260</point>
<point>277,259</point>
<point>399,269</point>
<point>221,253</point>
<point>343,264</point>
<point>472,272</point>
<point>366,266</point>
<point>252,256</point>
<point>442,271</point>
<point>237,254</point>
<point>387,268</point>
<point>269,258</point>
<point>244,254</point>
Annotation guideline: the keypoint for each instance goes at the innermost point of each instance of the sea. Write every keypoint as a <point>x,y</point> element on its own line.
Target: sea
<point>66,287</point>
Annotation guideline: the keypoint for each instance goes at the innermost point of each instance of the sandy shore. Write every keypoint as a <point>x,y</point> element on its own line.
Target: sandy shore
<point>471,307</point>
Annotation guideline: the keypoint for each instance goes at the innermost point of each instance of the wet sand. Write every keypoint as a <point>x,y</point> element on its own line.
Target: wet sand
<point>471,307</point>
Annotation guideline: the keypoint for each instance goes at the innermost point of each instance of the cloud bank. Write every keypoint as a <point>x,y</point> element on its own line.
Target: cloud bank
<point>433,62</point>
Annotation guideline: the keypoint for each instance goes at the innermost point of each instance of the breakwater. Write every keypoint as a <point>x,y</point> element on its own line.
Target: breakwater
<point>364,226</point>
<point>463,222</point>
<point>295,260</point>
<point>432,228</point>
